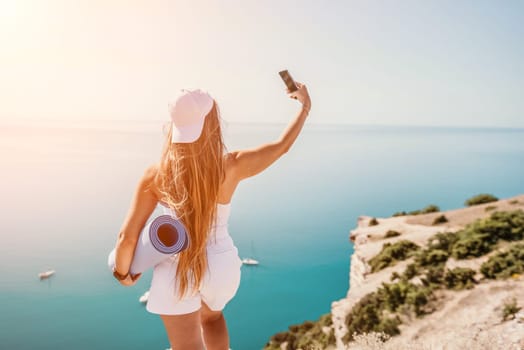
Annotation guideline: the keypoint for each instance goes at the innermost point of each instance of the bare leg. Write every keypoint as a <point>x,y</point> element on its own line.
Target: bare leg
<point>183,331</point>
<point>214,329</point>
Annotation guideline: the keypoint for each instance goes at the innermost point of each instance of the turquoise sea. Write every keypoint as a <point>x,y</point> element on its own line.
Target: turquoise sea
<point>65,190</point>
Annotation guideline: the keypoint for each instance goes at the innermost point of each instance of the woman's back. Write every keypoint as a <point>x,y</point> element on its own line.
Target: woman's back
<point>229,183</point>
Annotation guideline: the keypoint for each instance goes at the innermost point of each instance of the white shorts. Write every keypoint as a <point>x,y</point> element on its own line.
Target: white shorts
<point>219,284</point>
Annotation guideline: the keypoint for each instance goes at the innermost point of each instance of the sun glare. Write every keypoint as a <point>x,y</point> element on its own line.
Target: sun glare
<point>9,11</point>
<point>14,21</point>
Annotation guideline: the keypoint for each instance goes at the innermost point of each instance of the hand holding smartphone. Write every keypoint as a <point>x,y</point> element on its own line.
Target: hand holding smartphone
<point>297,90</point>
<point>290,83</point>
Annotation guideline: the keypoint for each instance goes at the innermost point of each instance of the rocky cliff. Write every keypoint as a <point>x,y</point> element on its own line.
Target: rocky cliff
<point>435,296</point>
<point>460,317</point>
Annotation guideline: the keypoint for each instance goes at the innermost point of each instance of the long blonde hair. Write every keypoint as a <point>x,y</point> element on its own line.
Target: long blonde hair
<point>189,178</point>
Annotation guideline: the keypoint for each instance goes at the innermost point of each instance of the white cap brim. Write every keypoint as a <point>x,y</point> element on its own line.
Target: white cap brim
<point>186,134</point>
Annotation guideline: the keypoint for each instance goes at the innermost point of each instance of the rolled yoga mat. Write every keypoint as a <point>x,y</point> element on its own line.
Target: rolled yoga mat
<point>150,250</point>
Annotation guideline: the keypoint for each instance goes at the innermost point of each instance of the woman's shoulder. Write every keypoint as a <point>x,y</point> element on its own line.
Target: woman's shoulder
<point>231,159</point>
<point>231,156</point>
<point>151,172</point>
<point>150,177</point>
<point>230,164</point>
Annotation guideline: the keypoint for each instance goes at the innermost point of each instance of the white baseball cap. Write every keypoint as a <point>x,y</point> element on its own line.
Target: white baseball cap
<point>188,114</point>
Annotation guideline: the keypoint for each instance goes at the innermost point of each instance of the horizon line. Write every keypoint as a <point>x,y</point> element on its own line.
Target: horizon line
<point>41,123</point>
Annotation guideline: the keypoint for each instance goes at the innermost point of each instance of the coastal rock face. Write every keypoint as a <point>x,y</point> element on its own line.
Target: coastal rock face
<point>431,280</point>
<point>368,241</point>
<point>463,319</point>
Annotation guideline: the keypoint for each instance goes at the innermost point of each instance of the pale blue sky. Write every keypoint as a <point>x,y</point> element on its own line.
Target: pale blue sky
<point>458,63</point>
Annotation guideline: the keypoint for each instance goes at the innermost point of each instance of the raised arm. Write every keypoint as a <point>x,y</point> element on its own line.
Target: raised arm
<point>252,161</point>
<point>142,205</point>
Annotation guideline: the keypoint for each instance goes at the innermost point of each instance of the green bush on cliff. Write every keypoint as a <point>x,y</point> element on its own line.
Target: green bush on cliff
<point>507,225</point>
<point>505,264</point>
<point>429,209</point>
<point>404,293</point>
<point>481,199</point>
<point>441,219</point>
<point>417,299</point>
<point>431,257</point>
<point>473,245</point>
<point>368,316</point>
<point>391,233</point>
<point>410,272</point>
<point>480,237</point>
<point>280,338</point>
<point>305,335</point>
<point>459,278</point>
<point>391,253</point>
<point>375,312</point>
<point>373,222</point>
<point>434,276</point>
<point>443,241</point>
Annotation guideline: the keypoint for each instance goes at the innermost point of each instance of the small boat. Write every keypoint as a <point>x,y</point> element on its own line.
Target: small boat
<point>46,274</point>
<point>144,297</point>
<point>249,261</point>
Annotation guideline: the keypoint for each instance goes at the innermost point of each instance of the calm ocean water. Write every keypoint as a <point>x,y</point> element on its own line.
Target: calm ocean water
<point>66,191</point>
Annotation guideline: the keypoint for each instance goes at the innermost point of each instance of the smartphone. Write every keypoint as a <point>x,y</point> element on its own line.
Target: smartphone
<point>290,83</point>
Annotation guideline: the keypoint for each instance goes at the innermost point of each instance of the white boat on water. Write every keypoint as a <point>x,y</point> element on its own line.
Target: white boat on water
<point>144,297</point>
<point>249,261</point>
<point>46,274</point>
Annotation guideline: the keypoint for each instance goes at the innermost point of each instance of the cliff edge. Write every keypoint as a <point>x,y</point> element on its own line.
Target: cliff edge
<point>459,317</point>
<point>428,280</point>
